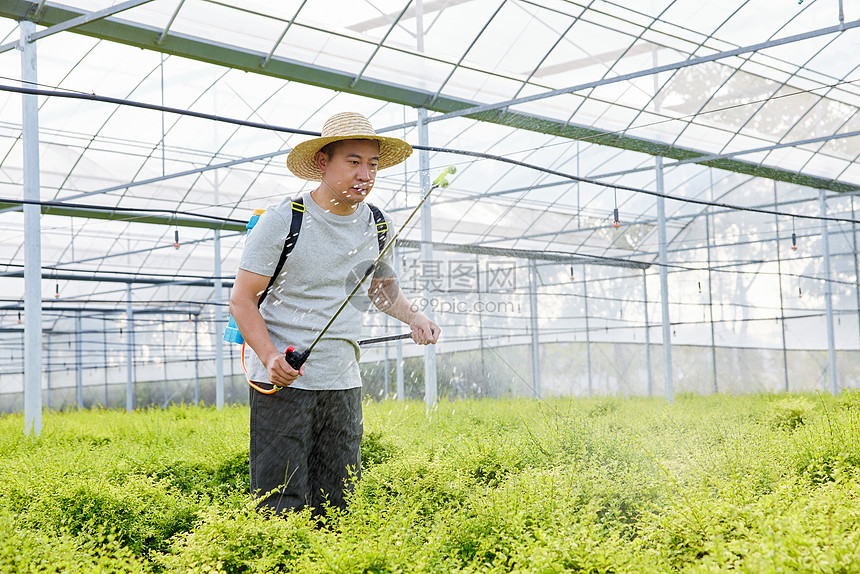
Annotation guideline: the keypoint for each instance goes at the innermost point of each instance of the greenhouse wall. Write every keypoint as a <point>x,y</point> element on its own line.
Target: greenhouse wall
<point>617,369</point>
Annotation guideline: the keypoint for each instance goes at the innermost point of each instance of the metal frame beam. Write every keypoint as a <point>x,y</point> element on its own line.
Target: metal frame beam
<point>722,156</point>
<point>558,257</point>
<point>283,34</point>
<point>379,44</point>
<point>100,310</point>
<point>649,72</point>
<point>74,22</point>
<point>161,178</point>
<point>164,32</point>
<point>134,279</point>
<point>92,212</point>
<point>466,53</point>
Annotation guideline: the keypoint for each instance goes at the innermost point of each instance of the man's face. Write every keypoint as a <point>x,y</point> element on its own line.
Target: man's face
<point>351,170</point>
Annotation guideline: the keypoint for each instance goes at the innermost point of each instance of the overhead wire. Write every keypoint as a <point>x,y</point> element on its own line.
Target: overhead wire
<point>481,155</point>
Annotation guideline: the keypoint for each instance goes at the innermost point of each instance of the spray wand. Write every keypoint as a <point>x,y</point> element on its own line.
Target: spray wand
<point>296,359</point>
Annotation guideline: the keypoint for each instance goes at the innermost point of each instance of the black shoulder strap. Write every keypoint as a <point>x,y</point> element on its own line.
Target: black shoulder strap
<point>295,226</point>
<point>381,225</point>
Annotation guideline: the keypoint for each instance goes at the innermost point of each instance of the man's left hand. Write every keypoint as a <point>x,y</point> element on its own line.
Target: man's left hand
<point>424,331</point>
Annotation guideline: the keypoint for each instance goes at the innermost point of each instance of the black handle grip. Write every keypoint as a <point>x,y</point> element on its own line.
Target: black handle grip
<point>296,360</point>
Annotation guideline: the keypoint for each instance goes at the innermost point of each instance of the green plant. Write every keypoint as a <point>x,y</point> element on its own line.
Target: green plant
<point>790,412</point>
<point>705,484</point>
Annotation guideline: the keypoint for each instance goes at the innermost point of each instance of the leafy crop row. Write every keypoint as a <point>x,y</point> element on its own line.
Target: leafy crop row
<point>708,484</point>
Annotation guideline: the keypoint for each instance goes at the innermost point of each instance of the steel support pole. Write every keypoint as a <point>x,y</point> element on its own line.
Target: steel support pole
<point>485,380</point>
<point>828,295</point>
<point>387,392</point>
<point>401,387</point>
<point>32,238</point>
<point>856,263</point>
<point>232,364</point>
<point>533,306</point>
<point>430,388</point>
<point>219,326</point>
<point>587,331</point>
<point>48,370</point>
<point>647,335</point>
<point>107,361</point>
<point>164,361</point>
<point>664,285</point>
<point>398,367</point>
<point>79,362</point>
<point>781,299</point>
<point>196,363</point>
<point>129,339</point>
<point>711,287</point>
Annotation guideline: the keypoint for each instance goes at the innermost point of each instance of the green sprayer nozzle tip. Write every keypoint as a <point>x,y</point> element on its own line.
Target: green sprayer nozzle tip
<point>442,181</point>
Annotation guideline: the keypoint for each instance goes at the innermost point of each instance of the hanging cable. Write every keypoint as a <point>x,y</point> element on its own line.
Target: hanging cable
<point>616,223</point>
<point>793,236</point>
<point>176,233</point>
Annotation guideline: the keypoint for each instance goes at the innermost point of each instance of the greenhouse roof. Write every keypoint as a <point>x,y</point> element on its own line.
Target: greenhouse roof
<point>591,90</point>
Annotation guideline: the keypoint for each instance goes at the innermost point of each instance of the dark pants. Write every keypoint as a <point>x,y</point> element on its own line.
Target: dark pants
<point>305,447</point>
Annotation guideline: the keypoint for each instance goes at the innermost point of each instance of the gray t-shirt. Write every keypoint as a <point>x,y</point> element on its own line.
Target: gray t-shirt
<point>330,255</point>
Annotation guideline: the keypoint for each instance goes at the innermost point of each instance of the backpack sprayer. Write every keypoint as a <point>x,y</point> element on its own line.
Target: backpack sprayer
<point>297,359</point>
<point>231,332</point>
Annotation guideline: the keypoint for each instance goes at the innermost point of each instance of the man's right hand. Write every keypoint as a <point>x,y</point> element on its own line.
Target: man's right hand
<point>243,305</point>
<point>280,372</point>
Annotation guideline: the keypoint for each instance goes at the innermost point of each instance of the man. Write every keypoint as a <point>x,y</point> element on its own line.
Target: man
<point>305,438</point>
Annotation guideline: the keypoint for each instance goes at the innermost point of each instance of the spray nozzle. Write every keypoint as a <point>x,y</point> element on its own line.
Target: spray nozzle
<point>441,180</point>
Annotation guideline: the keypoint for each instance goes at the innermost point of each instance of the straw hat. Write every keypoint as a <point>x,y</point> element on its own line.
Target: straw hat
<point>344,126</point>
